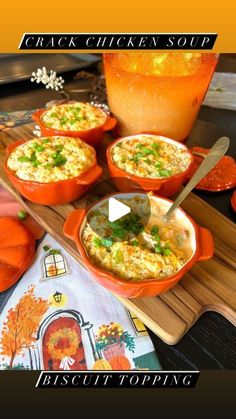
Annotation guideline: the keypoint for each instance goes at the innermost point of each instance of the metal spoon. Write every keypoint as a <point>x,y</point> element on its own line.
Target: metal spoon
<point>216,152</point>
<point>197,153</point>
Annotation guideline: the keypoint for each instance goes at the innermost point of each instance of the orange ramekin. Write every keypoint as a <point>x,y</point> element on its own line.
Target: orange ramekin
<point>202,245</point>
<point>52,193</point>
<point>126,182</point>
<point>91,136</point>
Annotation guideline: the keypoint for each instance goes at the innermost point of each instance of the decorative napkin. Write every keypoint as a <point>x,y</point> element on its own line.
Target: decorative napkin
<point>59,318</point>
<point>222,91</point>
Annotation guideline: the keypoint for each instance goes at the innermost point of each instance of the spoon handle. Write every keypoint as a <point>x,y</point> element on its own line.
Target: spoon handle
<point>216,152</point>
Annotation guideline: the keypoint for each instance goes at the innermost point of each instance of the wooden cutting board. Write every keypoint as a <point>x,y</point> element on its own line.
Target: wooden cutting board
<point>209,285</point>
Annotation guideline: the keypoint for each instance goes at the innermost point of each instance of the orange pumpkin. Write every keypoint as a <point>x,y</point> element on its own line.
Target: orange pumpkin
<point>17,249</point>
<point>120,363</point>
<point>101,364</point>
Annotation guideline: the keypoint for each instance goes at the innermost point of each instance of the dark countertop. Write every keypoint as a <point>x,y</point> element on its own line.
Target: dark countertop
<point>211,342</point>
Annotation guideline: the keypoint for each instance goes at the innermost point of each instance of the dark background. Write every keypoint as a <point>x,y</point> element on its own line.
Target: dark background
<point>213,397</point>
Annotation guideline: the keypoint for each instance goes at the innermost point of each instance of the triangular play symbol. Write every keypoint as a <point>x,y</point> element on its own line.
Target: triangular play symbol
<point>116,209</point>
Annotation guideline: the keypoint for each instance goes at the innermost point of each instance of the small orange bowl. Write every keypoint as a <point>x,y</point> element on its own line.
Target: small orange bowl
<point>164,186</point>
<point>201,242</point>
<point>91,136</point>
<point>52,193</point>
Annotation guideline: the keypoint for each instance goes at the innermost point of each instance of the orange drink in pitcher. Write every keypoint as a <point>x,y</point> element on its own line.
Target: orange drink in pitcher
<point>157,91</point>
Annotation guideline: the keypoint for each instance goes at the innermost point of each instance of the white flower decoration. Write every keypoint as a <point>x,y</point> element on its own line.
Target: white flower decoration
<point>50,80</point>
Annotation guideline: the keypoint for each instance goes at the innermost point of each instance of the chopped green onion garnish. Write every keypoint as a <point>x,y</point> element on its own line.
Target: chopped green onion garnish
<point>59,159</point>
<point>165,172</point>
<point>144,151</point>
<point>33,156</point>
<point>119,232</point>
<point>154,233</point>
<point>117,229</point>
<point>137,156</point>
<point>80,118</point>
<point>167,252</point>
<point>22,215</point>
<point>130,223</point>
<point>107,242</point>
<point>23,159</point>
<point>147,151</point>
<point>119,256</point>
<point>134,243</point>
<point>35,163</point>
<point>63,121</point>
<point>97,242</point>
<point>158,165</point>
<point>155,146</point>
<point>154,230</point>
<point>158,249</point>
<point>39,148</point>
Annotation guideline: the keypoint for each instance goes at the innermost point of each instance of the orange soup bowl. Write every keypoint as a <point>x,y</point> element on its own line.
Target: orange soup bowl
<point>202,248</point>
<point>91,136</point>
<point>127,182</point>
<point>52,193</point>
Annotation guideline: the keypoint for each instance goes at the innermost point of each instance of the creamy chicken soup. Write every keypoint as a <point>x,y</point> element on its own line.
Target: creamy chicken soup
<point>50,159</point>
<point>132,248</point>
<point>77,116</point>
<point>148,156</point>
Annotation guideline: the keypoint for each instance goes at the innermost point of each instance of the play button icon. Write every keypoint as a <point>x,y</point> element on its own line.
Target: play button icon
<point>116,209</point>
<point>117,216</point>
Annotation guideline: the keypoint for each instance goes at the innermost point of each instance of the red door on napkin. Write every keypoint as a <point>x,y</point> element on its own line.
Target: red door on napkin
<point>62,346</point>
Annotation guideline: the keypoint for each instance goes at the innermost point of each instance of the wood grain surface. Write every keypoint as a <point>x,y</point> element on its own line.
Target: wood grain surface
<point>209,285</point>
